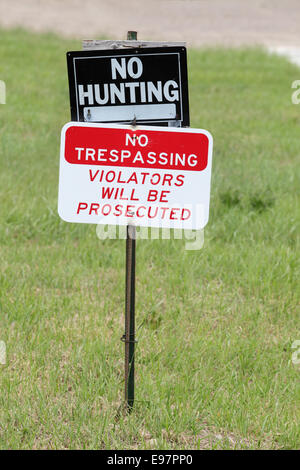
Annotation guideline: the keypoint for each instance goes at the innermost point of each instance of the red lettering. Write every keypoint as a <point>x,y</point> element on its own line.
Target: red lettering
<point>152,196</point>
<point>109,211</point>
<point>133,177</point>
<point>113,176</point>
<point>92,178</point>
<point>163,196</point>
<point>157,175</point>
<point>94,208</point>
<point>81,206</point>
<point>144,177</point>
<point>129,211</point>
<point>149,213</point>
<point>167,179</point>
<point>138,211</point>
<point>119,178</point>
<point>107,192</point>
<point>180,179</point>
<point>164,210</point>
<point>182,212</point>
<point>132,198</point>
<point>119,209</point>
<point>121,195</point>
<point>172,213</point>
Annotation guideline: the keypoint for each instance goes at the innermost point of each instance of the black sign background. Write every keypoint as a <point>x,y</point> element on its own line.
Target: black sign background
<point>159,64</point>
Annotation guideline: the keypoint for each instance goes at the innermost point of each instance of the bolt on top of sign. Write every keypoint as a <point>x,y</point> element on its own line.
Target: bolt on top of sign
<point>148,85</point>
<point>143,175</point>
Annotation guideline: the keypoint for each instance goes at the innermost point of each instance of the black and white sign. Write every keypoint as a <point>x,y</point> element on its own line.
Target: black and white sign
<point>148,85</point>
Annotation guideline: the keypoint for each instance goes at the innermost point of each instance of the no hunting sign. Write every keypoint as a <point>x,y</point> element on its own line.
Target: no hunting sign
<point>147,85</point>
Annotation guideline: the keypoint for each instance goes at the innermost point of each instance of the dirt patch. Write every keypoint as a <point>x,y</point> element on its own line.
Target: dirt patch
<point>226,22</point>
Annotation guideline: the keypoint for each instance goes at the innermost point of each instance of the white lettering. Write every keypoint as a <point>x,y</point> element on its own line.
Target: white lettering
<point>174,95</point>
<point>130,138</point>
<point>139,67</point>
<point>98,98</point>
<point>90,153</point>
<point>143,92</point>
<point>145,139</point>
<point>125,154</point>
<point>86,94</point>
<point>101,153</point>
<point>156,91</point>
<point>192,160</point>
<point>132,86</point>
<point>120,68</point>
<point>79,150</point>
<point>120,93</point>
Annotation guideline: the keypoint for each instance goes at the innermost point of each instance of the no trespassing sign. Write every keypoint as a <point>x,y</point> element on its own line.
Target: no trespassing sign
<point>146,176</point>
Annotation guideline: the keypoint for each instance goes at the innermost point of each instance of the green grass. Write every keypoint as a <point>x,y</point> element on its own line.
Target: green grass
<point>216,326</point>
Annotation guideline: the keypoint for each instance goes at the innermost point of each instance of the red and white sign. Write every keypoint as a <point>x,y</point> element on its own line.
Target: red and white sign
<point>147,176</point>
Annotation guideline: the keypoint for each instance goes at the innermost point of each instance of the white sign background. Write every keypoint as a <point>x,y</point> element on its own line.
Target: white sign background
<point>75,187</point>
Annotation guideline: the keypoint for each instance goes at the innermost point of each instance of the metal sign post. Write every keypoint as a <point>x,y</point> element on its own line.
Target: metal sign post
<point>129,337</point>
<point>130,303</point>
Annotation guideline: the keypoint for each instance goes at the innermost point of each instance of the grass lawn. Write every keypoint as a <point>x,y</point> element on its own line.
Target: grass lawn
<point>216,326</point>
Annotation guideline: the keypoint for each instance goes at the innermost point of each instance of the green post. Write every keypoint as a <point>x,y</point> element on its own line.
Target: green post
<point>132,35</point>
